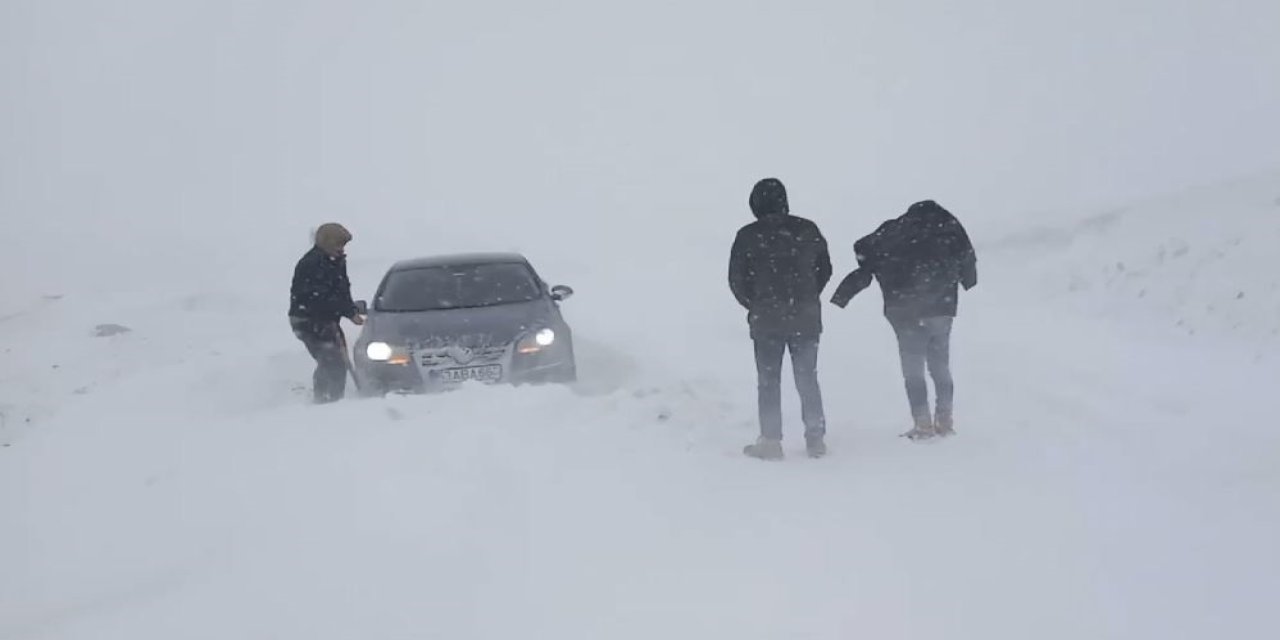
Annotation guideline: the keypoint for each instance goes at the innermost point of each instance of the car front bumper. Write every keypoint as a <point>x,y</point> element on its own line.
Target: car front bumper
<point>428,370</point>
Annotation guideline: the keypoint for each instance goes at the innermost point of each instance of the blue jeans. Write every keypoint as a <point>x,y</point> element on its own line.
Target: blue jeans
<point>926,342</point>
<point>804,366</point>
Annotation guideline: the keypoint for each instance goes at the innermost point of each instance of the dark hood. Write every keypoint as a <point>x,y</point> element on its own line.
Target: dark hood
<point>927,213</point>
<point>924,219</point>
<point>769,199</point>
<point>477,327</point>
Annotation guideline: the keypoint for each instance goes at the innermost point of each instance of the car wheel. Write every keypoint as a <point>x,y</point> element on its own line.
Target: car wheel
<point>372,389</point>
<point>569,373</point>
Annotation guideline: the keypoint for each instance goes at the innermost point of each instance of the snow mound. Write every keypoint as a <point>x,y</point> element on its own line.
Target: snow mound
<point>1107,481</point>
<point>1200,264</point>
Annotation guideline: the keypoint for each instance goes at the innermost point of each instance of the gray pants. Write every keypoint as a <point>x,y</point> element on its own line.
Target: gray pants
<point>325,343</point>
<point>926,342</point>
<point>804,366</point>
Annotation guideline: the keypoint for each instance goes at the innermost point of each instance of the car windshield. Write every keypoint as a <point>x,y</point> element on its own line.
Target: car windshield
<point>459,287</point>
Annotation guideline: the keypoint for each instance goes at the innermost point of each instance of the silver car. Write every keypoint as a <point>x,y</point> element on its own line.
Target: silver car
<point>439,322</point>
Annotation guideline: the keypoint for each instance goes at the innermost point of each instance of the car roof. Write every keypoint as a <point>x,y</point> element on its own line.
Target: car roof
<point>458,260</point>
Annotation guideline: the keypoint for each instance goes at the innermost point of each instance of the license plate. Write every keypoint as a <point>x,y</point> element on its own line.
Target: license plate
<point>488,373</point>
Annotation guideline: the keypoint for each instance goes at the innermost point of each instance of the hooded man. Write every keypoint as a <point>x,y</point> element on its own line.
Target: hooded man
<point>777,271</point>
<point>320,297</point>
<point>919,259</point>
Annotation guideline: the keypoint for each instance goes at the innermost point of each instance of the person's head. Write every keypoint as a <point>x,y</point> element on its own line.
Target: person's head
<point>332,238</point>
<point>926,209</point>
<point>769,198</point>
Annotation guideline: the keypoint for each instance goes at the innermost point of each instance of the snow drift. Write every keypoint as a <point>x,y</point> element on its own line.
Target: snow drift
<point>1120,487</point>
<point>1116,467</point>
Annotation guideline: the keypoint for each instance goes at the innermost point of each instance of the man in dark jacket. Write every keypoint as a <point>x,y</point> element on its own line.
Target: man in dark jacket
<point>320,297</point>
<point>919,259</point>
<point>777,270</point>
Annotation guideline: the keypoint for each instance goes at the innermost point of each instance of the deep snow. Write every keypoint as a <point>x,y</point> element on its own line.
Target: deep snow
<point>1121,487</point>
<point>1117,464</point>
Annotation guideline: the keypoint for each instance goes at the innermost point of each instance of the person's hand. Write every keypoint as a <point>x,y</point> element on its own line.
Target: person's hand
<point>357,320</point>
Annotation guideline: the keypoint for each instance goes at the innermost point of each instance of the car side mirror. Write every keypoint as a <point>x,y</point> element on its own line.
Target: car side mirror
<point>362,307</point>
<point>560,293</point>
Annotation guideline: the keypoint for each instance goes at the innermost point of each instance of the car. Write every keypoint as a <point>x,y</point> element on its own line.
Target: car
<point>439,322</point>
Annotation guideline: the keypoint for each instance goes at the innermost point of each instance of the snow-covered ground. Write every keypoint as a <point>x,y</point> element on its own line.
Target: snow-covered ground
<point>1118,461</point>
<point>1114,476</point>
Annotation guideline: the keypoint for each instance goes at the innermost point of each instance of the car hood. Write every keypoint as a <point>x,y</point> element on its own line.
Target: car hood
<point>475,327</point>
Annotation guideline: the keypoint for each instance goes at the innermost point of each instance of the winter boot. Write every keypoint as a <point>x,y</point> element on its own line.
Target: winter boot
<point>816,447</point>
<point>922,431</point>
<point>764,449</point>
<point>944,425</point>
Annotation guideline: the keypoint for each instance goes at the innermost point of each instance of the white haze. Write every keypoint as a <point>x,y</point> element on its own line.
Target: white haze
<point>162,164</point>
<point>221,128</point>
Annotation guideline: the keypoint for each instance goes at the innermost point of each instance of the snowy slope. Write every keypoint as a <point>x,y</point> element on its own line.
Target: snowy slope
<point>161,163</point>
<point>1109,481</point>
<point>1201,262</point>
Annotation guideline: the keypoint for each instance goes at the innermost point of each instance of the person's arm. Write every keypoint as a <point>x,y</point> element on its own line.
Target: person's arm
<point>969,272</point>
<point>968,260</point>
<point>309,288</point>
<point>823,268</point>
<point>860,278</point>
<point>324,289</point>
<point>346,305</point>
<point>852,285</point>
<point>741,276</point>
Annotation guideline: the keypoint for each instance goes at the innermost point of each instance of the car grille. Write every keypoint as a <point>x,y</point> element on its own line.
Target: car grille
<point>461,356</point>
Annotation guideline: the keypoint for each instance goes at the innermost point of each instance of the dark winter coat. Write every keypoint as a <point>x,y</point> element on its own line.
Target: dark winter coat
<point>778,267</point>
<point>321,289</point>
<point>918,259</point>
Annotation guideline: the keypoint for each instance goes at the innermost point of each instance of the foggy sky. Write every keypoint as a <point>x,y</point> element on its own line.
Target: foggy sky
<point>172,126</point>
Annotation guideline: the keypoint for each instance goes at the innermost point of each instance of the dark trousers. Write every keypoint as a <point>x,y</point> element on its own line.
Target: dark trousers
<point>804,366</point>
<point>326,344</point>
<point>926,342</point>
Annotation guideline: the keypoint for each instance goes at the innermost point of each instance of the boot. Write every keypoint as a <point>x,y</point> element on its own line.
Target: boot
<point>922,431</point>
<point>944,425</point>
<point>815,446</point>
<point>764,449</point>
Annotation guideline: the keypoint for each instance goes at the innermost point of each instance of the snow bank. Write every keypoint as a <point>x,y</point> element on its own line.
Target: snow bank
<point>1113,477</point>
<point>1201,263</point>
<point>1107,482</point>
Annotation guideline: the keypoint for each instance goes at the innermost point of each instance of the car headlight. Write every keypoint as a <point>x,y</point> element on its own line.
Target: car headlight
<point>378,351</point>
<point>544,338</point>
<point>540,340</point>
